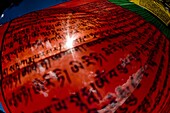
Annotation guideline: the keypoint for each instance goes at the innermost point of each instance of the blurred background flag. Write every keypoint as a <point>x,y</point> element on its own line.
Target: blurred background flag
<point>133,6</point>
<point>1,108</point>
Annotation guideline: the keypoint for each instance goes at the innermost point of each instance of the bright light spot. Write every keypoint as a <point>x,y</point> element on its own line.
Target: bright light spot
<point>2,15</point>
<point>48,44</point>
<point>44,93</point>
<point>69,41</point>
<point>41,69</point>
<point>32,49</point>
<point>52,75</point>
<point>92,90</point>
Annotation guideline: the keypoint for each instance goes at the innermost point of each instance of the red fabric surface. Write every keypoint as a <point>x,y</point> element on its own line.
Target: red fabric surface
<point>84,57</point>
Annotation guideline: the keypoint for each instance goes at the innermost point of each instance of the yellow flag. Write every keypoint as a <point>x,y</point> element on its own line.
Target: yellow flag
<point>157,7</point>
